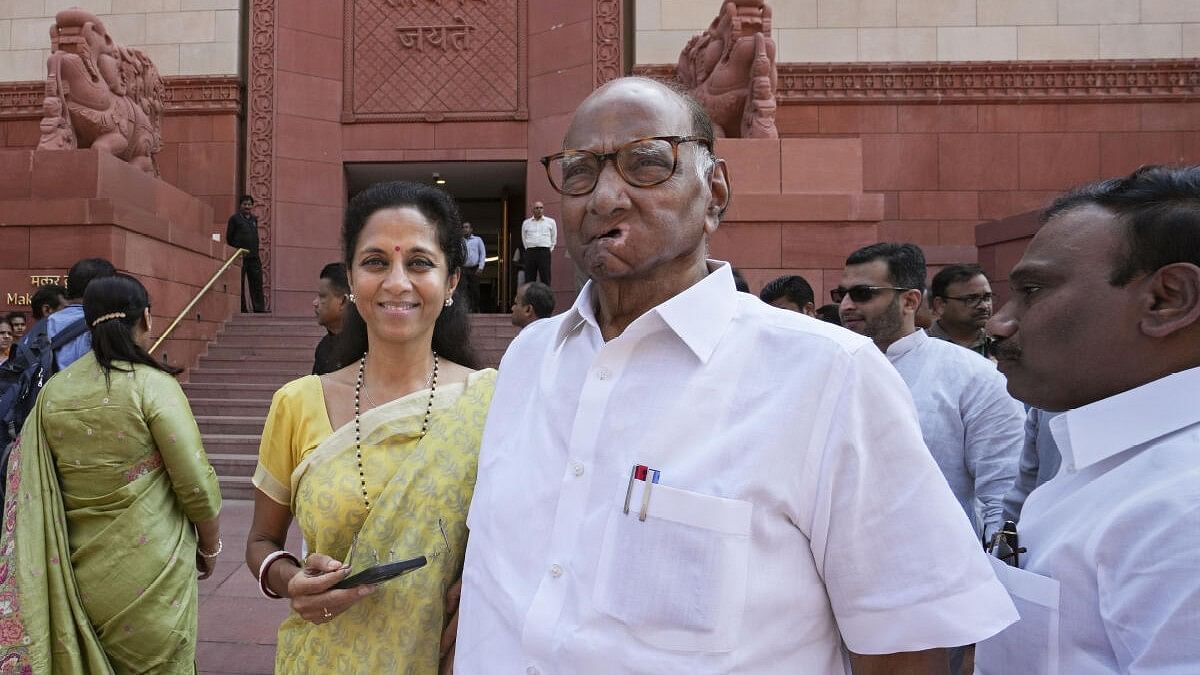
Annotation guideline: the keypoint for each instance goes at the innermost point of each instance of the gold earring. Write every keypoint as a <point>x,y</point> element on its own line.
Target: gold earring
<point>449,301</point>
<point>351,298</point>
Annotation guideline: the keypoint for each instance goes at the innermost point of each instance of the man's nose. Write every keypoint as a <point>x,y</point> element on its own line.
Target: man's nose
<point>1003,323</point>
<point>610,193</point>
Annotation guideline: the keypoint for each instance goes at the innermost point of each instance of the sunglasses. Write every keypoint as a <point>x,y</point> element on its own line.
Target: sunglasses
<point>862,293</point>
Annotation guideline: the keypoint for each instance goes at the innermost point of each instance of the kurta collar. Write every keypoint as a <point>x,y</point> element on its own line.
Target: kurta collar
<point>699,315</point>
<point>1099,430</point>
<point>907,344</point>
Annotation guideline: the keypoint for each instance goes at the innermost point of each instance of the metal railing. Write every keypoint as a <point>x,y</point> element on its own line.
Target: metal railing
<point>162,338</point>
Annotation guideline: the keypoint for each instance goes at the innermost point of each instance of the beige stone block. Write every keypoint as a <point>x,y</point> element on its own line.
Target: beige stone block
<point>165,58</point>
<point>1040,43</point>
<point>647,15</point>
<point>817,45</point>
<point>856,13</point>
<point>31,33</point>
<point>970,43</point>
<point>1191,41</point>
<point>97,7</point>
<point>1170,11</point>
<point>794,14</point>
<point>208,58</point>
<point>1016,12</point>
<point>659,46</point>
<point>228,26</point>
<point>22,9</point>
<point>127,29</point>
<point>1141,41</point>
<point>897,44</point>
<point>1072,12</point>
<point>143,6</point>
<point>687,14</point>
<point>5,34</point>
<point>23,64</point>
<point>180,27</point>
<point>935,12</point>
<point>193,5</point>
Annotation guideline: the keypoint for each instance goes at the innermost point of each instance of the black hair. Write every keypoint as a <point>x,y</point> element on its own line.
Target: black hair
<point>83,272</point>
<point>46,294</point>
<point>952,274</point>
<point>112,339</point>
<point>540,298</point>
<point>335,272</point>
<point>795,288</point>
<point>452,331</point>
<point>15,315</point>
<point>829,314</point>
<point>905,262</point>
<point>245,198</point>
<point>739,281</point>
<point>1159,208</point>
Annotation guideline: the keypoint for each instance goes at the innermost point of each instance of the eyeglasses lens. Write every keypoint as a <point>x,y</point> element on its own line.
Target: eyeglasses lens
<point>641,163</point>
<point>856,293</point>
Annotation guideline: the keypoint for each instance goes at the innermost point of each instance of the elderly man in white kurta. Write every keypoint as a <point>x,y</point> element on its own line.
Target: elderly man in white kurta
<point>973,428</point>
<point>1104,324</point>
<point>677,478</point>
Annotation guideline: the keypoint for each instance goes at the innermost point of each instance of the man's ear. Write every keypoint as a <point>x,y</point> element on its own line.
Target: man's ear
<point>936,305</point>
<point>1172,300</point>
<point>911,299</point>
<point>719,196</point>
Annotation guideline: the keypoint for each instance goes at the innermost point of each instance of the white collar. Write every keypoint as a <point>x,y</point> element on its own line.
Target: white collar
<point>699,315</point>
<point>1099,430</point>
<point>907,344</point>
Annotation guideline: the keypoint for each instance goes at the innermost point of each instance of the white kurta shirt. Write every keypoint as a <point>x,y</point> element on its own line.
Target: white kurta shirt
<point>1118,532</point>
<point>796,506</point>
<point>973,428</point>
<point>539,232</point>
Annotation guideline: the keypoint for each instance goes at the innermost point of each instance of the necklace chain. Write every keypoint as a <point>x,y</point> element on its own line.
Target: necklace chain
<point>359,392</point>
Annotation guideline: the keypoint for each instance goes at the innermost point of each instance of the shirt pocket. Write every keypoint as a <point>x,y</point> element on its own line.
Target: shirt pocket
<point>677,579</point>
<point>1029,646</point>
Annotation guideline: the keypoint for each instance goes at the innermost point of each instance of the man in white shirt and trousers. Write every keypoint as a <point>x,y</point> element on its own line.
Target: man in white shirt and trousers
<point>679,478</point>
<point>539,234</point>
<point>973,428</point>
<point>1104,323</point>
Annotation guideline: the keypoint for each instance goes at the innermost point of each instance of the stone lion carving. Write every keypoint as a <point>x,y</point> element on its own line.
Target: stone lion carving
<point>100,94</point>
<point>730,69</point>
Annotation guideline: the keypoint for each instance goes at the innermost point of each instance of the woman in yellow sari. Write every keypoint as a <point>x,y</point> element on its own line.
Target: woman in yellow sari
<point>376,461</point>
<point>108,491</point>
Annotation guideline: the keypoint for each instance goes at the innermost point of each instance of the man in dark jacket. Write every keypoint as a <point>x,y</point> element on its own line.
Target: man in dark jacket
<point>242,232</point>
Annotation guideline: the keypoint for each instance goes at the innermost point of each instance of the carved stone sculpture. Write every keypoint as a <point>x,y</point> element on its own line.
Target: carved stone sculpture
<point>100,94</point>
<point>730,69</point>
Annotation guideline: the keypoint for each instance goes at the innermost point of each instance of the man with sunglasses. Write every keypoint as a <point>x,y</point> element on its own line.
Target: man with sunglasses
<point>961,300</point>
<point>678,478</point>
<point>1104,324</point>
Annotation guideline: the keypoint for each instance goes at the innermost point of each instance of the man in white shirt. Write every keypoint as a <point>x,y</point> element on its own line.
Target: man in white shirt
<point>539,233</point>
<point>1104,324</point>
<point>973,428</point>
<point>678,478</point>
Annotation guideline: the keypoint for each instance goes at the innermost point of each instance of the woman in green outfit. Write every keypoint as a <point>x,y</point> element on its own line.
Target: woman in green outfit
<point>377,461</point>
<point>108,492</point>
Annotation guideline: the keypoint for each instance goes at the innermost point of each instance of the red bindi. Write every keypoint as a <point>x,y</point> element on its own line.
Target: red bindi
<point>397,249</point>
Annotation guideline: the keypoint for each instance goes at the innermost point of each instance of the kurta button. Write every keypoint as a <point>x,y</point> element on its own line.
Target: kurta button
<point>531,671</point>
<point>603,373</point>
<point>556,570</point>
<point>577,468</point>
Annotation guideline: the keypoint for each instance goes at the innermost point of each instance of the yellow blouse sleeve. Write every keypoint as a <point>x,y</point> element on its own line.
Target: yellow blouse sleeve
<point>286,436</point>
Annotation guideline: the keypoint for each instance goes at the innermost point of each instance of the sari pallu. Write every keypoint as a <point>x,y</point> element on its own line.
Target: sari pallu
<point>418,487</point>
<point>121,598</point>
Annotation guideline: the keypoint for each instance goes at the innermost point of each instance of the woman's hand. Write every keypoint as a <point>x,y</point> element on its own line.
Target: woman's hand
<point>205,566</point>
<point>312,593</point>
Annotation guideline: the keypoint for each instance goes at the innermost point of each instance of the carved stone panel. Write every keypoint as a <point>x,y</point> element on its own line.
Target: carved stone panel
<point>435,60</point>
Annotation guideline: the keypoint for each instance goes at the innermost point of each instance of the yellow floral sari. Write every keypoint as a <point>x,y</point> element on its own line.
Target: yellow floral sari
<point>420,489</point>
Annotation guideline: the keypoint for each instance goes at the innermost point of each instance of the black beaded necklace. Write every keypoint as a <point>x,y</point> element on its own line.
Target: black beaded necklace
<point>430,382</point>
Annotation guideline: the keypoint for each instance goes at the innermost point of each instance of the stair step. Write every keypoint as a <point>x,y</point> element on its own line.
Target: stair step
<point>302,366</point>
<point>233,464</point>
<point>236,487</point>
<point>230,406</point>
<point>232,444</point>
<point>231,376</point>
<point>292,331</point>
<point>230,424</point>
<point>261,352</point>
<point>278,340</point>
<point>264,390</point>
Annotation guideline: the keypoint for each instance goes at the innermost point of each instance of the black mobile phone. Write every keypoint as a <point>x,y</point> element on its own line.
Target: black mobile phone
<point>379,573</point>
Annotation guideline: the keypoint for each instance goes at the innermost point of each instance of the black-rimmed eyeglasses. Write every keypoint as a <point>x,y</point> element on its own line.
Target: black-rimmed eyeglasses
<point>861,293</point>
<point>973,300</point>
<point>644,162</point>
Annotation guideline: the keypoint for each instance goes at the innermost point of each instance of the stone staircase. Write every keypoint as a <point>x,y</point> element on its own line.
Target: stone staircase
<point>230,389</point>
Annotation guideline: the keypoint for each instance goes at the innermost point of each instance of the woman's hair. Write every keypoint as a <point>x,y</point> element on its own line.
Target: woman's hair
<point>112,338</point>
<point>452,331</point>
